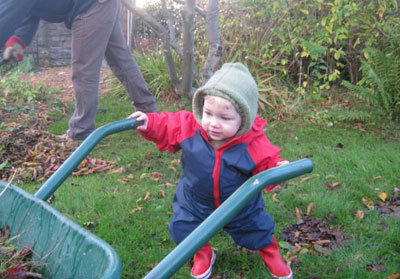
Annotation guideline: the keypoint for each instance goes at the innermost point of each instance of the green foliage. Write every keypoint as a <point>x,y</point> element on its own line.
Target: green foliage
<point>380,84</point>
<point>154,69</point>
<point>26,65</point>
<point>12,86</point>
<point>312,43</point>
<point>20,98</point>
<point>338,114</point>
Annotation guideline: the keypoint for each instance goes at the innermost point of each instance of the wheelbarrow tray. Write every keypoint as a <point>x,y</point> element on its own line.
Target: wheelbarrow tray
<point>67,250</point>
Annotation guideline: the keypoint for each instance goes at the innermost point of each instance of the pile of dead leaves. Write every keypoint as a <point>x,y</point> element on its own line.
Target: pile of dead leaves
<point>16,263</point>
<point>36,154</point>
<point>390,206</point>
<point>312,234</point>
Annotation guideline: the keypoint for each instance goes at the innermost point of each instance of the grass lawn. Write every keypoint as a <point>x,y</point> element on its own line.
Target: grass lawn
<point>131,210</point>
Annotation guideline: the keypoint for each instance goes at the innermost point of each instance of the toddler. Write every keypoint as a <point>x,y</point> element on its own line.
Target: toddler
<point>223,144</point>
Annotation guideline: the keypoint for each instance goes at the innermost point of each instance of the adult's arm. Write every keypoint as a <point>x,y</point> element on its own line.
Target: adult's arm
<point>13,14</point>
<point>28,29</point>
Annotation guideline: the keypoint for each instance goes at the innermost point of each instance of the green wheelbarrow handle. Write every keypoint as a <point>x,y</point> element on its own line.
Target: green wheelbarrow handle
<point>52,184</point>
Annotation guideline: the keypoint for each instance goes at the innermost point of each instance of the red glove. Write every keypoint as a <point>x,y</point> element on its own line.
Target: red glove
<point>14,49</point>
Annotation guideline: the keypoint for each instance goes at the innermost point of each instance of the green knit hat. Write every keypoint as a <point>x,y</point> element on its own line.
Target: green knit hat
<point>234,83</point>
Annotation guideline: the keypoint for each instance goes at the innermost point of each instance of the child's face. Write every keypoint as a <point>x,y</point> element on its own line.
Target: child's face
<point>220,118</point>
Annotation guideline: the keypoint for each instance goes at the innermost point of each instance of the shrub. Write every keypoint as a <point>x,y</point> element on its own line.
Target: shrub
<point>380,84</point>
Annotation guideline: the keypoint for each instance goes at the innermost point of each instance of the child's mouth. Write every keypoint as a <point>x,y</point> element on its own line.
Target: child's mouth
<point>214,134</point>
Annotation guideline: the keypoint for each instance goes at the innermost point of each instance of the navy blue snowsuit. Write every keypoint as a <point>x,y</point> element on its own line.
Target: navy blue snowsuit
<point>211,175</point>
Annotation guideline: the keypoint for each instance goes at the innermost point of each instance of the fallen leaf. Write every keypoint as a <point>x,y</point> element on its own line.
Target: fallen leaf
<point>285,245</point>
<point>274,197</point>
<point>309,208</point>
<point>394,276</point>
<point>377,177</point>
<point>368,203</point>
<point>298,216</point>
<point>162,193</point>
<point>322,250</point>
<point>155,176</point>
<point>136,209</point>
<point>119,170</point>
<point>322,241</point>
<point>332,185</point>
<point>147,196</point>
<point>172,168</point>
<point>382,196</point>
<point>305,178</point>
<point>360,214</point>
<point>123,180</point>
<point>176,162</point>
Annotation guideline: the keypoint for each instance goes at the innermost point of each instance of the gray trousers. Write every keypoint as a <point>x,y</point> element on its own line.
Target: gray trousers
<point>96,34</point>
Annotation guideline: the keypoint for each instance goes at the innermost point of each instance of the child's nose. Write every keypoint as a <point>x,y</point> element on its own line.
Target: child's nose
<point>214,121</point>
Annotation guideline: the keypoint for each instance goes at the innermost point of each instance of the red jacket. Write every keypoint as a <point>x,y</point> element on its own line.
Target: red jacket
<point>210,174</point>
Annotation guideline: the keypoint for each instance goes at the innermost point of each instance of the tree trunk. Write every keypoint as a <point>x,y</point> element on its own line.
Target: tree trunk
<point>214,41</point>
<point>188,48</point>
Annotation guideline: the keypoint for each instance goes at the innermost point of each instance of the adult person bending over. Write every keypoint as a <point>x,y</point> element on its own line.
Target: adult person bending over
<point>96,33</point>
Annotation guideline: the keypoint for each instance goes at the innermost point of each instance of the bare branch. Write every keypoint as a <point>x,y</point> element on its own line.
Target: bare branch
<point>200,11</point>
<point>170,22</point>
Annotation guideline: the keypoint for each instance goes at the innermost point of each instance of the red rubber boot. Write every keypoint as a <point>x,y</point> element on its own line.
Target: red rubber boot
<point>203,261</point>
<point>273,261</point>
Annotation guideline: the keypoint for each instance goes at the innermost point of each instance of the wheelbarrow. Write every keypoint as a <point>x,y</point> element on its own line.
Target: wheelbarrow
<point>73,252</point>
<point>68,250</point>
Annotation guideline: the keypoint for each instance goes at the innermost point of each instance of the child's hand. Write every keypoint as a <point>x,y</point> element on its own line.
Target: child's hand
<point>140,116</point>
<point>281,163</point>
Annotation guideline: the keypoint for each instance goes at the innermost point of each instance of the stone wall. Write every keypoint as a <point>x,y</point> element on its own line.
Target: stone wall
<point>52,44</point>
